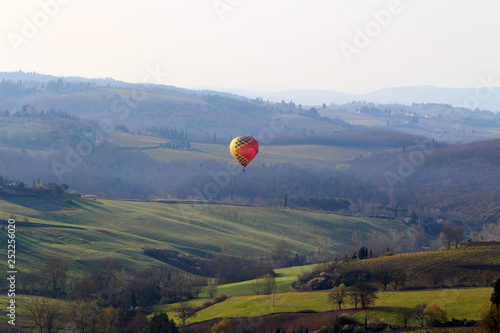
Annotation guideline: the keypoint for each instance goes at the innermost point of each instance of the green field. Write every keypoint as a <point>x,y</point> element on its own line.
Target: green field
<point>88,230</point>
<point>466,303</point>
<point>284,278</point>
<point>198,151</point>
<point>302,155</point>
<point>82,231</point>
<point>459,303</point>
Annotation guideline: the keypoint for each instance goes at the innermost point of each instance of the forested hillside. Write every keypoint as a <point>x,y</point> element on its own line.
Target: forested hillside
<point>459,181</point>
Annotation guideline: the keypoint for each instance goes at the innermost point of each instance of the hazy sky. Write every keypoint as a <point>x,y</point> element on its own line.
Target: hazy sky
<point>351,46</point>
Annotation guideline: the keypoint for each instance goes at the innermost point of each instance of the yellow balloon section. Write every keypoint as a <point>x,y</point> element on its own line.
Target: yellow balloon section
<point>244,149</point>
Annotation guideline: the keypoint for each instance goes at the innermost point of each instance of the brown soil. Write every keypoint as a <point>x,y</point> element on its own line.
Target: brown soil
<point>289,322</point>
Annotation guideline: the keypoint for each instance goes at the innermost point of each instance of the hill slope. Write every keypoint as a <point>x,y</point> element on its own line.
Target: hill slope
<point>140,106</point>
<point>84,231</point>
<point>459,180</point>
<point>464,266</point>
<point>403,95</point>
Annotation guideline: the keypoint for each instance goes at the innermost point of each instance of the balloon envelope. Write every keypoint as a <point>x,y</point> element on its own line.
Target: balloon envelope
<point>244,148</point>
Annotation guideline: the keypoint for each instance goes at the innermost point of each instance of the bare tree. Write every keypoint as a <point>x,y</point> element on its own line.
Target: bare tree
<point>367,293</point>
<point>184,311</point>
<point>457,235</point>
<point>436,276</point>
<point>354,295</point>
<point>256,286</point>
<point>404,315</point>
<point>384,274</point>
<point>269,284</point>
<point>47,315</point>
<point>400,277</point>
<point>35,311</point>
<point>421,237</point>
<point>281,253</point>
<point>212,288</point>
<point>54,271</point>
<point>89,317</point>
<point>419,314</point>
<point>446,235</point>
<point>380,241</point>
<point>83,316</point>
<point>198,282</point>
<point>264,285</point>
<point>338,295</point>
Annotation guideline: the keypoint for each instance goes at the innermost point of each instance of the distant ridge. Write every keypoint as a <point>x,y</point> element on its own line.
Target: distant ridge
<point>488,98</point>
<point>38,77</point>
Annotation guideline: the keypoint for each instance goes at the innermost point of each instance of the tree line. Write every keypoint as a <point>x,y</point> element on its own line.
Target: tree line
<point>106,296</point>
<point>221,266</point>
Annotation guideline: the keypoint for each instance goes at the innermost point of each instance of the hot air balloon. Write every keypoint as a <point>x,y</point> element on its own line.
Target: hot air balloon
<point>244,148</point>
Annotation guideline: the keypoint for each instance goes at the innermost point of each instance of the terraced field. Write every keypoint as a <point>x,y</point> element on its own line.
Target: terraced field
<point>20,126</point>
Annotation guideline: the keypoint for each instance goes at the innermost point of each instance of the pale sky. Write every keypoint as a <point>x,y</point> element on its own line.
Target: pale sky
<point>260,45</point>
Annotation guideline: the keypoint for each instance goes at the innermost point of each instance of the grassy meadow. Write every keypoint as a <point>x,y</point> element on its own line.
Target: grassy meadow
<point>459,303</point>
<point>86,230</point>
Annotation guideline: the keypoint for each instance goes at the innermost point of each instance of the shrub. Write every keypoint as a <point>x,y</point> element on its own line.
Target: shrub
<point>435,315</point>
<point>206,304</point>
<point>224,326</point>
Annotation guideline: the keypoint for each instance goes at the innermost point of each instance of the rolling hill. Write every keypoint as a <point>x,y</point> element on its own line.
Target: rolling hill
<point>84,231</point>
<point>304,155</point>
<point>458,270</point>
<point>402,95</point>
<point>138,106</point>
<point>459,180</point>
<point>462,267</point>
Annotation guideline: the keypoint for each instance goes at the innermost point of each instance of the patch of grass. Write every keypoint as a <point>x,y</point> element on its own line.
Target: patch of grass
<point>302,155</point>
<point>294,271</point>
<point>463,303</point>
<point>244,288</point>
<point>133,140</point>
<point>466,303</point>
<point>254,306</point>
<point>198,152</point>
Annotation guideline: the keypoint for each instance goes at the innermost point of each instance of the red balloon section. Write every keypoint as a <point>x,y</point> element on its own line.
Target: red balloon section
<point>244,149</point>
